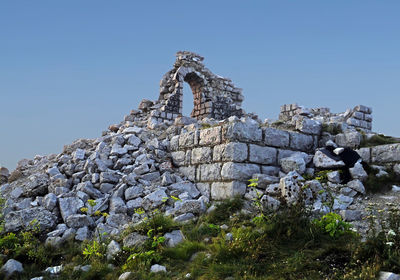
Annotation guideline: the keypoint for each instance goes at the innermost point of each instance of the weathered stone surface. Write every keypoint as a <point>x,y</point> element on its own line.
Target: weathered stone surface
<point>82,234</point>
<point>113,248</point>
<point>386,153</point>
<point>323,161</point>
<point>186,186</point>
<point>156,268</point>
<point>133,192</point>
<point>270,203</point>
<point>351,139</point>
<point>308,126</point>
<point>263,155</point>
<point>365,154</point>
<point>187,140</point>
<point>351,215</point>
<point>358,172</point>
<point>334,177</point>
<point>232,151</point>
<point>36,185</point>
<point>11,267</point>
<point>383,275</point>
<point>201,155</point>
<point>78,220</point>
<point>69,206</point>
<point>357,186</point>
<point>342,202</point>
<point>173,238</point>
<point>117,205</point>
<point>188,171</point>
<point>247,131</point>
<point>239,171</point>
<point>87,187</point>
<point>50,201</point>
<point>178,158</point>
<point>204,189</point>
<point>396,168</point>
<point>22,219</point>
<point>291,187</point>
<point>191,205</point>
<point>263,180</point>
<point>223,190</point>
<point>154,199</point>
<point>210,136</point>
<point>134,240</point>
<point>276,138</point>
<point>134,204</point>
<point>209,172</point>
<point>293,163</point>
<point>301,142</point>
<point>109,177</point>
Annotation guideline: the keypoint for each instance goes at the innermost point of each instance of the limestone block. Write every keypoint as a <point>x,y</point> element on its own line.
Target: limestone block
<point>358,172</point>
<point>201,155</point>
<point>293,163</point>
<point>301,142</point>
<point>276,137</point>
<point>364,109</point>
<point>353,122</point>
<point>263,155</point>
<point>351,139</point>
<point>357,186</point>
<point>223,190</point>
<point>323,161</point>
<point>291,187</point>
<point>233,151</point>
<point>385,153</point>
<point>263,180</point>
<point>239,171</point>
<point>187,140</point>
<point>204,189</point>
<point>209,172</point>
<point>210,136</point>
<point>174,143</point>
<point>248,131</point>
<point>178,158</point>
<point>365,154</point>
<point>308,126</point>
<point>189,172</point>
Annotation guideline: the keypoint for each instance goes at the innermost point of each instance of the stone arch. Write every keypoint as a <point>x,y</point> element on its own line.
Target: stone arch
<point>213,96</point>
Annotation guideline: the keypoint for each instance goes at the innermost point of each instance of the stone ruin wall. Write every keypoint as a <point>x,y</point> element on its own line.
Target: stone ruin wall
<point>214,96</point>
<point>221,159</point>
<point>359,117</point>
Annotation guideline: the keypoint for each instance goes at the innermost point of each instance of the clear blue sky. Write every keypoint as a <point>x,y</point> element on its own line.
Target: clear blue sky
<point>68,69</point>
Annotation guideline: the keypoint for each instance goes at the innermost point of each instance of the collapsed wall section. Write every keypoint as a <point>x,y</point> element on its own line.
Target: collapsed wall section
<point>221,159</point>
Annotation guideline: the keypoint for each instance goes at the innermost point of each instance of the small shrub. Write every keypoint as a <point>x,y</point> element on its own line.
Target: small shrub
<point>377,139</point>
<point>333,224</point>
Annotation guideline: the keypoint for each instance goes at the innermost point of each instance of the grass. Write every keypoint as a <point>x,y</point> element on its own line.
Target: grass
<point>332,128</point>
<point>374,184</point>
<point>287,244</point>
<point>377,139</point>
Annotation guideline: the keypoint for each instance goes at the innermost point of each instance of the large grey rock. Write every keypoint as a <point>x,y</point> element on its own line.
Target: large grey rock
<point>358,172</point>
<point>223,190</point>
<point>276,138</point>
<point>293,163</point>
<point>187,140</point>
<point>308,126</point>
<point>186,186</point>
<point>50,201</point>
<point>109,177</point>
<point>113,248</point>
<point>117,205</point>
<point>69,206</point>
<point>232,151</point>
<point>269,203</point>
<point>342,202</point>
<point>349,138</point>
<point>11,267</point>
<point>301,142</point>
<point>247,130</point>
<point>209,172</point>
<point>321,160</point>
<point>35,185</point>
<point>357,186</point>
<point>334,177</point>
<point>87,187</point>
<point>154,199</point>
<point>386,153</point>
<point>291,187</point>
<point>201,155</point>
<point>134,204</point>
<point>192,205</point>
<point>173,238</point>
<point>78,155</point>
<point>383,275</point>
<point>78,220</point>
<point>365,154</point>
<point>134,240</point>
<point>351,215</point>
<point>134,141</point>
<point>133,192</point>
<point>239,171</point>
<point>156,268</point>
<point>82,234</point>
<point>24,219</point>
<point>263,155</point>
<point>210,136</point>
<point>263,181</point>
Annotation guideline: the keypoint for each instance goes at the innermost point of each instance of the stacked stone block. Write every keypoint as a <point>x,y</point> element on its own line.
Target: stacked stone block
<point>214,96</point>
<point>221,159</point>
<point>361,117</point>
